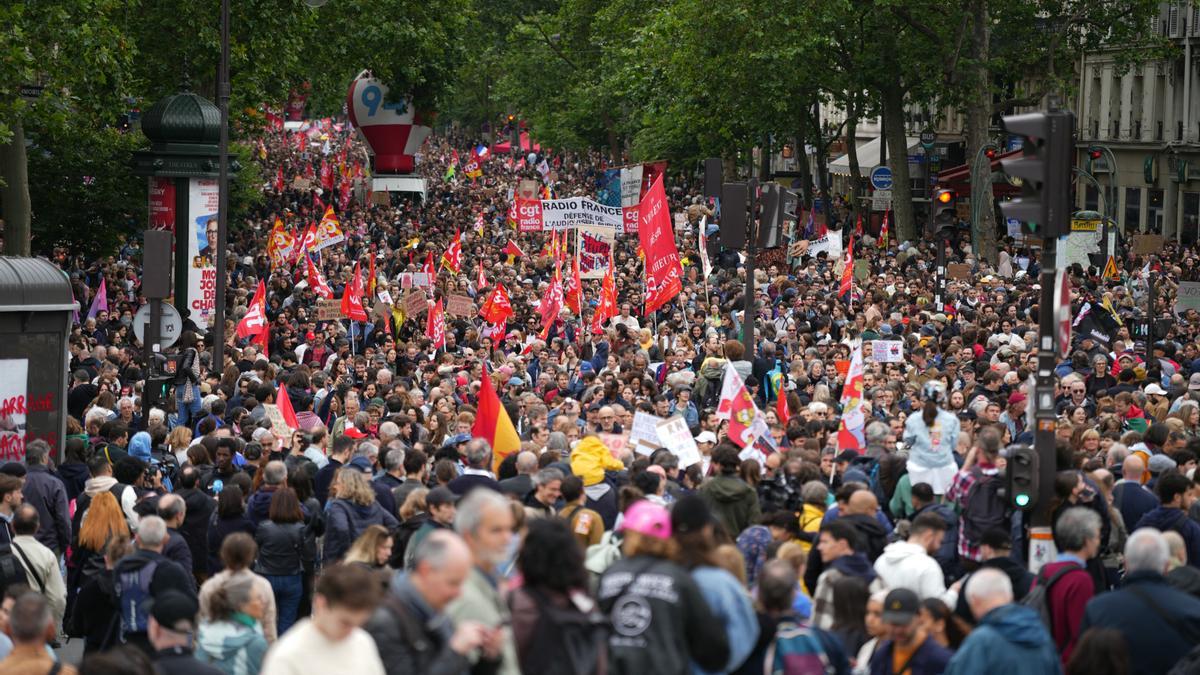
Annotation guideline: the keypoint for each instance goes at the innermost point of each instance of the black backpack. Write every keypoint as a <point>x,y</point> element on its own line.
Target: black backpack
<point>12,572</point>
<point>569,641</point>
<point>1038,598</point>
<point>983,509</point>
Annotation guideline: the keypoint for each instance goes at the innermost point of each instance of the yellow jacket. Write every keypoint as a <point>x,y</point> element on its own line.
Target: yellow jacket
<point>591,458</point>
<point>810,521</point>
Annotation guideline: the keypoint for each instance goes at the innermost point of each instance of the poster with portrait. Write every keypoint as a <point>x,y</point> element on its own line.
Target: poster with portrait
<point>203,195</point>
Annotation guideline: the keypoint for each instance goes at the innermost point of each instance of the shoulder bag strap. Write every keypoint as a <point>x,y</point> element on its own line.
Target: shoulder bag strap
<point>1142,595</point>
<point>29,568</point>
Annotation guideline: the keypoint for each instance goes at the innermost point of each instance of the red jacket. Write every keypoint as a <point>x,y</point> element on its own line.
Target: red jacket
<point>1068,598</point>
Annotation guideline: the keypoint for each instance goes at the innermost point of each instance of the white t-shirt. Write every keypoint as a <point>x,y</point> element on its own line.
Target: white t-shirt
<point>304,650</point>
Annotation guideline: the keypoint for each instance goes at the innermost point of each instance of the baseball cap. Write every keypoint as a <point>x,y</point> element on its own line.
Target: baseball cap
<point>1155,390</point>
<point>706,437</point>
<point>1160,463</point>
<point>361,463</point>
<point>173,609</point>
<point>440,496</point>
<point>900,607</point>
<point>354,433</point>
<point>647,519</point>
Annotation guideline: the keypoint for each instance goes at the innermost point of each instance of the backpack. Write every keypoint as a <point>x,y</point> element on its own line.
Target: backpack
<point>567,641</point>
<point>12,572</point>
<point>983,509</point>
<point>797,650</point>
<point>1038,598</point>
<point>599,557</point>
<point>133,591</point>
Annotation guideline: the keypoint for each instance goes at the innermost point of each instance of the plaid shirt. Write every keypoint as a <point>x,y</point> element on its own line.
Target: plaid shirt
<point>822,614</point>
<point>960,487</point>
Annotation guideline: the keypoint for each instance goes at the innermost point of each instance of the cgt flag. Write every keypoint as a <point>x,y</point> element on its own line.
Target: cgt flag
<point>497,307</point>
<point>255,320</point>
<point>452,258</point>
<point>663,270</point>
<point>315,281</point>
<point>352,307</point>
<point>746,421</point>
<point>435,325</point>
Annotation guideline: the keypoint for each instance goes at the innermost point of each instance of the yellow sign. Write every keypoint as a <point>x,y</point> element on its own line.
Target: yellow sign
<point>1110,269</point>
<point>1084,225</point>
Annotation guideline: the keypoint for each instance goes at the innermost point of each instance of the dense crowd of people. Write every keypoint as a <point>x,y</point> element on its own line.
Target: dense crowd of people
<point>382,534</point>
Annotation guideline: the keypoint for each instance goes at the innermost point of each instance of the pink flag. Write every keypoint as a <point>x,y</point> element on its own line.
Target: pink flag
<point>100,302</point>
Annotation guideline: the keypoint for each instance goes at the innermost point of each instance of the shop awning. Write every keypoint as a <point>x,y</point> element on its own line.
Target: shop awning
<point>962,174</point>
<point>868,157</point>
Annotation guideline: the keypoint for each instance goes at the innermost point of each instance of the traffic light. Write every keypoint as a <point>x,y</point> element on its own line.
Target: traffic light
<point>944,211</point>
<point>1021,473</point>
<point>1095,153</point>
<point>734,198</point>
<point>1044,169</point>
<point>990,152</point>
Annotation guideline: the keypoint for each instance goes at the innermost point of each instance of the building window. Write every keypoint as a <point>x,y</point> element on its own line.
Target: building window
<point>1133,209</point>
<point>1191,217</point>
<point>1154,211</point>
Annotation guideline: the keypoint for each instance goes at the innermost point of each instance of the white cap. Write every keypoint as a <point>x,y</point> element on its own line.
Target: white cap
<point>706,437</point>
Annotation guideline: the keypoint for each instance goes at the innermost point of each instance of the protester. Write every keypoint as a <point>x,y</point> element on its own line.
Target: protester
<point>1009,638</point>
<point>910,648</point>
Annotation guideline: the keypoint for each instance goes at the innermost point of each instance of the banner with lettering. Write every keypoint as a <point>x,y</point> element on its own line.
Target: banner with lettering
<point>14,388</point>
<point>595,247</point>
<point>663,270</point>
<point>203,196</point>
<point>528,213</point>
<point>565,214</point>
<point>631,195</point>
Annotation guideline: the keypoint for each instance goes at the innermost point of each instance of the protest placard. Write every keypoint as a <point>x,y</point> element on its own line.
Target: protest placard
<point>887,351</point>
<point>415,303</point>
<point>676,437</point>
<point>329,309</point>
<point>460,305</point>
<point>278,427</point>
<point>644,433</point>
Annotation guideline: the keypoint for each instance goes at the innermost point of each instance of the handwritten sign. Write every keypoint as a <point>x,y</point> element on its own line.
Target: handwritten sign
<point>415,303</point>
<point>677,438</point>
<point>1147,244</point>
<point>329,309</point>
<point>460,305</point>
<point>1187,296</point>
<point>644,433</point>
<point>302,184</point>
<point>615,443</point>
<point>887,351</point>
<point>278,427</point>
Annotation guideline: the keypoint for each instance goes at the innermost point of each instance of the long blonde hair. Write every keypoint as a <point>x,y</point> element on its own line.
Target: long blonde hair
<point>352,486</point>
<point>180,437</point>
<point>363,549</point>
<point>103,521</point>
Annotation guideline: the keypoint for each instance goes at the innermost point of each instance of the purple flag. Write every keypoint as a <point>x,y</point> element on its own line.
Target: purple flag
<point>100,302</point>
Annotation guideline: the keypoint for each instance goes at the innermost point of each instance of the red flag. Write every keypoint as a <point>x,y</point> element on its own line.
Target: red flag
<point>781,408</point>
<point>511,249</point>
<point>279,180</point>
<point>481,282</point>
<point>497,307</point>
<point>318,205</point>
<point>452,258</point>
<point>847,272</point>
<point>255,320</point>
<point>326,175</point>
<point>883,231</point>
<point>428,268</point>
<point>352,307</point>
<point>285,408</point>
<point>371,277</point>
<point>493,424</point>
<point>746,422</point>
<point>552,303</point>
<point>858,226</point>
<point>262,340</point>
<point>315,281</point>
<point>344,194</point>
<point>573,291</point>
<point>435,325</point>
<point>663,270</point>
<point>309,240</point>
<point>607,308</point>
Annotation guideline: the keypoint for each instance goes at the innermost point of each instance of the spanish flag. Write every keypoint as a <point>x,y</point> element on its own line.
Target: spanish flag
<point>493,424</point>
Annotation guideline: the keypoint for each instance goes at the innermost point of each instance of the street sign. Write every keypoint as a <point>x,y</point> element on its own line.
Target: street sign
<point>881,200</point>
<point>928,138</point>
<point>30,92</point>
<point>170,326</point>
<point>881,178</point>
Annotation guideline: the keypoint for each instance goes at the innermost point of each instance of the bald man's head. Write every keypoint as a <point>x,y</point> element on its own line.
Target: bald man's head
<point>1133,467</point>
<point>863,503</point>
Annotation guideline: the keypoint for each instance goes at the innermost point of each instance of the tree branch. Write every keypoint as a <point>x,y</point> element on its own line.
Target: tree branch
<point>549,43</point>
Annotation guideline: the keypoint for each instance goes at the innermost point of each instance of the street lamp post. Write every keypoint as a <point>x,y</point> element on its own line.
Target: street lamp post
<point>218,347</point>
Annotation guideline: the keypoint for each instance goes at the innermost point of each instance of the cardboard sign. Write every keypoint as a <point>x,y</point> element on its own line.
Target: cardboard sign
<point>887,351</point>
<point>644,433</point>
<point>329,309</point>
<point>614,442</point>
<point>413,279</point>
<point>1187,296</point>
<point>415,303</point>
<point>278,427</point>
<point>1146,244</point>
<point>381,198</point>
<point>460,305</point>
<point>958,272</point>
<point>862,270</point>
<point>302,184</point>
<point>677,438</point>
<point>527,189</point>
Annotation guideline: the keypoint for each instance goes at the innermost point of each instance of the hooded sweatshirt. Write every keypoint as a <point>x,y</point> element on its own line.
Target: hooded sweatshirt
<point>854,565</point>
<point>236,646</point>
<point>734,503</point>
<point>345,520</point>
<point>907,565</point>
<point>1166,518</point>
<point>591,458</point>
<point>1009,639</point>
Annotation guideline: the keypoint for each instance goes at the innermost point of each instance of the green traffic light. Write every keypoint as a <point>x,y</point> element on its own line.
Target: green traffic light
<point>1022,500</point>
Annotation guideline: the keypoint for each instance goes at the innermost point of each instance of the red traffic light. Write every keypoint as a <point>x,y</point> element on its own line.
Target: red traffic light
<point>1095,153</point>
<point>990,153</point>
<point>944,196</point>
<point>512,117</point>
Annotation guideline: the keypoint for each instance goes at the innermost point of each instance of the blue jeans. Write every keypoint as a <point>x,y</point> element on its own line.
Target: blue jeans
<point>187,413</point>
<point>288,589</point>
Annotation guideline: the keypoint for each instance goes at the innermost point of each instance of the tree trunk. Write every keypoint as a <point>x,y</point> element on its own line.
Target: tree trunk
<point>902,205</point>
<point>729,171</point>
<point>979,114</point>
<point>806,179</point>
<point>614,141</point>
<point>14,193</point>
<point>852,152</point>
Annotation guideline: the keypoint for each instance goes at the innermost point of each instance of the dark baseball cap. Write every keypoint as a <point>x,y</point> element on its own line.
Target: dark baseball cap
<point>174,610</point>
<point>440,496</point>
<point>900,607</point>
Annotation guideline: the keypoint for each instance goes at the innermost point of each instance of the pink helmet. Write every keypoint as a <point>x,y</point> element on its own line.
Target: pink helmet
<point>647,519</point>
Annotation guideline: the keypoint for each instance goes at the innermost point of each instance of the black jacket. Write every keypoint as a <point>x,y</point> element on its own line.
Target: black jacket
<point>94,614</point>
<point>669,624</point>
<point>412,638</point>
<point>221,528</point>
<point>47,493</point>
<point>196,521</point>
<point>179,661</point>
<point>176,549</point>
<point>280,548</point>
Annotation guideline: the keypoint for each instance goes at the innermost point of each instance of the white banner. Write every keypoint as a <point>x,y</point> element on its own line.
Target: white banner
<point>631,196</point>
<point>565,214</point>
<point>594,246</point>
<point>831,243</point>
<point>203,196</point>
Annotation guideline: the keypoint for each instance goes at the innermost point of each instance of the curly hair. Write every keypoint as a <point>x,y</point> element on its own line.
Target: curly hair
<point>551,556</point>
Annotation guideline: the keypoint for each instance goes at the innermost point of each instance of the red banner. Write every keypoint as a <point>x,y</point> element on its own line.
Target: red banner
<point>657,238</point>
<point>529,215</point>
<point>162,204</point>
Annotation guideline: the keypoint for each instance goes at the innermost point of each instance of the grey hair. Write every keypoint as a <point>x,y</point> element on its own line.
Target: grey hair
<point>546,476</point>
<point>877,431</point>
<point>389,429</point>
<point>126,399</point>
<point>435,549</point>
<point>557,441</point>
<point>29,616</point>
<point>394,459</point>
<point>777,585</point>
<point>479,453</point>
<point>367,449</point>
<point>151,531</point>
<point>171,506</point>
<point>526,462</point>
<point>1147,550</point>
<point>36,451</point>
<point>275,473</point>
<point>814,492</point>
<point>470,510</point>
<point>989,583</point>
<point>1075,527</point>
